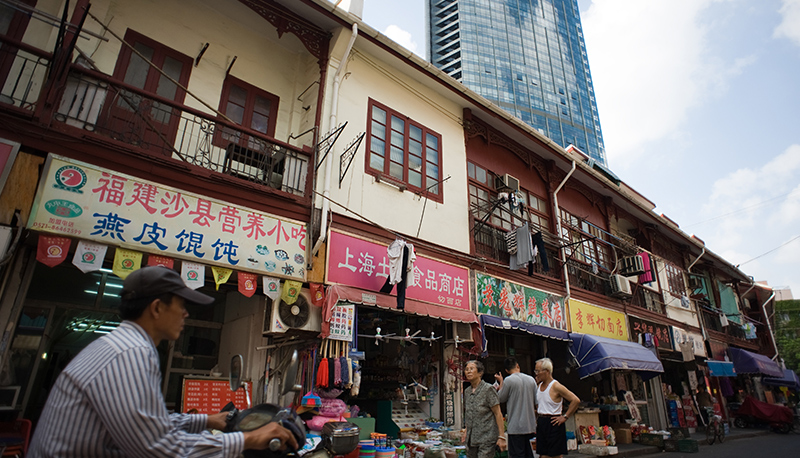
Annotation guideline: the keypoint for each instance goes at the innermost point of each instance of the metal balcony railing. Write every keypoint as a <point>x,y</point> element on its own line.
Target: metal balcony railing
<point>109,108</point>
<point>711,320</point>
<point>491,243</point>
<point>582,276</point>
<point>23,71</point>
<point>649,300</point>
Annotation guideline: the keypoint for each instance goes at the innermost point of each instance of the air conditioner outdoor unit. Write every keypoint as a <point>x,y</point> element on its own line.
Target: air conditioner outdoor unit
<point>279,316</point>
<point>632,265</point>
<point>462,330</point>
<point>695,282</point>
<point>508,182</point>
<point>620,286</point>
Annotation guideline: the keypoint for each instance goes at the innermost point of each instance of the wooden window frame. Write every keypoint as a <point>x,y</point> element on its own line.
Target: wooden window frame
<point>592,241</point>
<point>252,93</point>
<point>674,275</point>
<point>384,175</point>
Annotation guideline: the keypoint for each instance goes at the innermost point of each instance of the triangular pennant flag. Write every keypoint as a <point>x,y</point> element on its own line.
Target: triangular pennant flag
<point>247,283</point>
<point>272,287</point>
<point>126,262</point>
<point>291,290</point>
<point>52,251</point>
<point>89,256</point>
<point>221,275</point>
<point>163,261</point>
<point>317,293</point>
<point>193,274</point>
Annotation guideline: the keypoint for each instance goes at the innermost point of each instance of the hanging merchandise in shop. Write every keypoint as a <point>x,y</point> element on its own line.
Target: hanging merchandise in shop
<point>505,299</point>
<point>591,319</point>
<point>356,262</point>
<point>104,206</point>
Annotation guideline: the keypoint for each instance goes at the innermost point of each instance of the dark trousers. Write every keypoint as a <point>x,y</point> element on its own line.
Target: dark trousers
<point>519,445</point>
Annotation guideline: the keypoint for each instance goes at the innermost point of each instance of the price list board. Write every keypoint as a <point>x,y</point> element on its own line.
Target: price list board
<point>209,395</point>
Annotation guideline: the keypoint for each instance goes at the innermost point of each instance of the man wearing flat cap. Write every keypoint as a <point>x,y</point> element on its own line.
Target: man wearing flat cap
<point>107,402</point>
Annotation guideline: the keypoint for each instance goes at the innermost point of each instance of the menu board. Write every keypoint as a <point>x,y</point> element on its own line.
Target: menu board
<point>210,395</point>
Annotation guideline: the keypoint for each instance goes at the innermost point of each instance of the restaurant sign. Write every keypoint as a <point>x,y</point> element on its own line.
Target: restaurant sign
<point>353,261</point>
<point>662,337</point>
<point>505,299</point>
<point>88,202</point>
<point>597,321</point>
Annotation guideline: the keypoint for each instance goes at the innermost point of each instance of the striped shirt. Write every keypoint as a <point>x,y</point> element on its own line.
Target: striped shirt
<point>107,403</point>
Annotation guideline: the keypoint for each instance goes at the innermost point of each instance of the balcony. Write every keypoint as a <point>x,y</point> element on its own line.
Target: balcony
<point>581,276</point>
<point>647,299</point>
<point>107,109</point>
<point>491,243</point>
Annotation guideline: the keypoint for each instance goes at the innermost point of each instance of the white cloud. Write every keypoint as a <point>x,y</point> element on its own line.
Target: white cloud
<point>651,65</point>
<point>402,37</point>
<point>790,26</point>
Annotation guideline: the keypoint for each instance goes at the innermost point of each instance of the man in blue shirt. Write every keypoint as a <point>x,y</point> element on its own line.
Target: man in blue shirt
<point>107,402</point>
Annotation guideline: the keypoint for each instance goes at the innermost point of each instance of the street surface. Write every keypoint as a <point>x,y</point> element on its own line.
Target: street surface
<point>768,446</point>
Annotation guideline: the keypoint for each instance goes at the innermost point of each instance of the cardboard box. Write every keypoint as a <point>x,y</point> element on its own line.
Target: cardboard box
<point>623,436</point>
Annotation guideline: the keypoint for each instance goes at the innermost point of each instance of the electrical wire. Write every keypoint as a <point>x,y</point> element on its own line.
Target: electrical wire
<point>770,251</point>
<point>743,209</point>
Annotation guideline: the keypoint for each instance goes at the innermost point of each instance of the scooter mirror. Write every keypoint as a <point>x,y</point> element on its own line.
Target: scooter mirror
<point>290,376</point>
<point>235,377</point>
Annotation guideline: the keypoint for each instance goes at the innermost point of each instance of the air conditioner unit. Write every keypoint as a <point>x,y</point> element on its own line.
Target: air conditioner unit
<point>631,265</point>
<point>280,317</point>
<point>695,282</point>
<point>462,330</point>
<point>620,286</point>
<point>508,182</point>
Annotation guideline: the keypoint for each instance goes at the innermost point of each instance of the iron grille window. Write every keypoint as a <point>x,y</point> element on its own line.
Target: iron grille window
<point>585,242</point>
<point>675,283</point>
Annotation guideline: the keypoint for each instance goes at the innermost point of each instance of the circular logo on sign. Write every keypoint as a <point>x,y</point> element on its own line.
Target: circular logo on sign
<point>281,255</point>
<point>70,178</point>
<point>192,275</point>
<point>127,264</point>
<point>273,286</point>
<point>88,257</point>
<point>54,251</point>
<point>248,284</point>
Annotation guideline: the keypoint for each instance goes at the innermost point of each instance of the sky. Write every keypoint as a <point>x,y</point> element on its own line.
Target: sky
<point>699,103</point>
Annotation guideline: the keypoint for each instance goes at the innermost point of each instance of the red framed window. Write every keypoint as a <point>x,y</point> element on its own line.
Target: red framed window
<point>403,151</point>
<point>247,106</point>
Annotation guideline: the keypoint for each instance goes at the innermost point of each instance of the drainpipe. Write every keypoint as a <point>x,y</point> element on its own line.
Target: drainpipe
<point>769,325</point>
<point>326,192</point>
<point>558,230</point>
<point>695,261</point>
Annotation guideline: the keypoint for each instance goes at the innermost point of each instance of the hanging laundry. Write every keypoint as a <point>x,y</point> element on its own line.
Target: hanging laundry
<point>524,253</point>
<point>539,242</point>
<point>511,242</point>
<point>647,276</point>
<point>404,267</point>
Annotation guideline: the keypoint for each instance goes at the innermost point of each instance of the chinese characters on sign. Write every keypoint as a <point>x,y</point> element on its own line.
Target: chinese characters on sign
<point>680,336</point>
<point>597,321</point>
<point>342,317</point>
<point>210,396</point>
<point>85,201</point>
<point>509,300</point>
<point>662,337</point>
<point>356,262</point>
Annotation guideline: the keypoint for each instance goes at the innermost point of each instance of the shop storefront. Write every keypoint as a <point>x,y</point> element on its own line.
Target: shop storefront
<point>616,375</point>
<point>681,377</point>
<point>751,368</point>
<point>412,338</point>
<point>95,226</point>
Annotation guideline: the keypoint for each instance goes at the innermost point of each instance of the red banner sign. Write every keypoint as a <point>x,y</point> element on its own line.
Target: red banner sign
<point>52,251</point>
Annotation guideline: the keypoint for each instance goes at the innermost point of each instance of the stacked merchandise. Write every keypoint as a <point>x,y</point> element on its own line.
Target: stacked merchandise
<point>597,441</point>
<point>688,412</point>
<point>675,413</point>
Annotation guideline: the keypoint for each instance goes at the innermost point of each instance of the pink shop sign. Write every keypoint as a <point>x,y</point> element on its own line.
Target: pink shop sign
<point>363,264</point>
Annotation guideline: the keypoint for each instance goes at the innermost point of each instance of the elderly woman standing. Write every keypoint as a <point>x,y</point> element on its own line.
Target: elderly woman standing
<point>484,421</point>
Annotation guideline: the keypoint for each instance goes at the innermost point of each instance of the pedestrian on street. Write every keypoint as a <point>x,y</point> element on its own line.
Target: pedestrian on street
<point>551,434</point>
<point>107,402</point>
<point>485,429</point>
<point>518,391</point>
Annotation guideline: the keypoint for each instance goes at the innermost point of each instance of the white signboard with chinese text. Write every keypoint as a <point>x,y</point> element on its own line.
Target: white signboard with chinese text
<point>88,202</point>
<point>342,318</point>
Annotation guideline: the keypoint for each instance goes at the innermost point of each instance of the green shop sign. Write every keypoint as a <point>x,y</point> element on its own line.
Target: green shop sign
<point>505,299</point>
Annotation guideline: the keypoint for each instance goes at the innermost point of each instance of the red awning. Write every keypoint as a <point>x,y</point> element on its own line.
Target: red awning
<point>337,293</point>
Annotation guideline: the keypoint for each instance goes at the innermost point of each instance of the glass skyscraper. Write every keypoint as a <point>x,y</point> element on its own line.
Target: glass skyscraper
<point>528,57</point>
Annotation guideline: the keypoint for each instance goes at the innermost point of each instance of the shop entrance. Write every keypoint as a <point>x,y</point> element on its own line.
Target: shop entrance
<point>65,310</point>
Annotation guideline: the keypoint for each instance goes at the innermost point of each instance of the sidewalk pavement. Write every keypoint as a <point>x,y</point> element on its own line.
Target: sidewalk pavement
<point>636,449</point>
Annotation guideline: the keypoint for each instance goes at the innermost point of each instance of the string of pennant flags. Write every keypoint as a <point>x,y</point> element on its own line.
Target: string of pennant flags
<point>52,251</point>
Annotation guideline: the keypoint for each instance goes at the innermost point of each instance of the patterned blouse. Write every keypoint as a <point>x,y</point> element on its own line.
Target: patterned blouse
<point>481,424</point>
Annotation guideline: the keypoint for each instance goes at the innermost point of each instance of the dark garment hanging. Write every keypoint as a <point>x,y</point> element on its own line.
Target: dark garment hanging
<point>401,286</point>
<point>345,371</point>
<point>539,242</point>
<point>331,372</point>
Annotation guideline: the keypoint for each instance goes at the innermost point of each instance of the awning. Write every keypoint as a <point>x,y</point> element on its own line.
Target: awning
<point>747,362</point>
<point>336,293</point>
<point>789,379</point>
<point>597,354</point>
<point>721,369</point>
<point>533,329</point>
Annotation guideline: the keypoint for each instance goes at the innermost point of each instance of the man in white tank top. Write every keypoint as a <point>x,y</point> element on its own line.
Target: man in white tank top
<point>551,434</point>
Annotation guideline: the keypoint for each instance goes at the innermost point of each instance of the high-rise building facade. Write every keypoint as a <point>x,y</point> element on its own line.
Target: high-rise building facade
<point>528,57</point>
